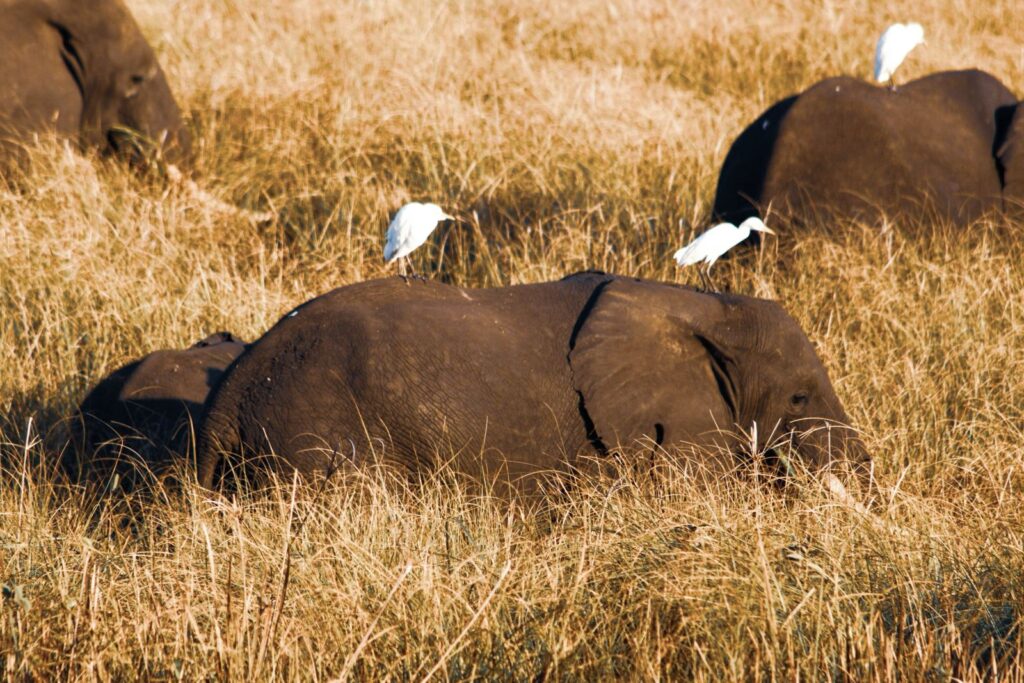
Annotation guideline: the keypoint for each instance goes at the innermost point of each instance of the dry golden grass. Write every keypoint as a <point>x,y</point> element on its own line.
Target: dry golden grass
<point>583,135</point>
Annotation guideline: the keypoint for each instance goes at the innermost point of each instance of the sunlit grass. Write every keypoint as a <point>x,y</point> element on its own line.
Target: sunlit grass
<point>570,136</point>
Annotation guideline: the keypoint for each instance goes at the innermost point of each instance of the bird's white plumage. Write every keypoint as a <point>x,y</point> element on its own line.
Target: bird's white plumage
<point>717,240</point>
<point>410,228</point>
<point>893,47</point>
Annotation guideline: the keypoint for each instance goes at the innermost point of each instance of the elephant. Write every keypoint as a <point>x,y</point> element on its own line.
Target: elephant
<point>514,383</point>
<point>83,70</point>
<point>143,412</point>
<point>846,148</point>
<point>1011,162</point>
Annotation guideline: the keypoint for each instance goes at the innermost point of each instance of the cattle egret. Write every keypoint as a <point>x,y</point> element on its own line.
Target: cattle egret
<point>893,47</point>
<point>409,229</point>
<point>715,242</point>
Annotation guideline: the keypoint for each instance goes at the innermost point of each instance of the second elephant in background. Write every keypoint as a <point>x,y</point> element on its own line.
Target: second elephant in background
<point>846,148</point>
<point>83,70</point>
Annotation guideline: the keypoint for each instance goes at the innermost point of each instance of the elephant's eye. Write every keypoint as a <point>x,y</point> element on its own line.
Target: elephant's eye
<point>798,400</point>
<point>135,82</point>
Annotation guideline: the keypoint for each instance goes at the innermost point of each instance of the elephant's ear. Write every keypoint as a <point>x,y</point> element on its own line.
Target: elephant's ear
<point>643,368</point>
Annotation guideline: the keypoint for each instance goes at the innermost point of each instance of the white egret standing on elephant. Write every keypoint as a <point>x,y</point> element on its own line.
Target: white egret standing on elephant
<point>893,47</point>
<point>409,229</point>
<point>715,242</point>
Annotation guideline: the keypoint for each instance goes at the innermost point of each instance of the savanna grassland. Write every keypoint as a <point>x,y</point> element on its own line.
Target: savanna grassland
<point>571,136</point>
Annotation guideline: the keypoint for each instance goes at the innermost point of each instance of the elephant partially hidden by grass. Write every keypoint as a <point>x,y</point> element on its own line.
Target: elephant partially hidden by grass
<point>1011,160</point>
<point>138,420</point>
<point>83,70</point>
<point>517,381</point>
<point>851,149</point>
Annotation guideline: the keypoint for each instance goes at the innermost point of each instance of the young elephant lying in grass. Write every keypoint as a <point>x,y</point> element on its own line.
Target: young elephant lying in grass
<point>523,380</point>
<point>138,419</point>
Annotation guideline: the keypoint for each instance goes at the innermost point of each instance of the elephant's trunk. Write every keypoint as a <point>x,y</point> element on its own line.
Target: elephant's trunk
<point>218,438</point>
<point>207,468</point>
<point>836,448</point>
<point>857,464</point>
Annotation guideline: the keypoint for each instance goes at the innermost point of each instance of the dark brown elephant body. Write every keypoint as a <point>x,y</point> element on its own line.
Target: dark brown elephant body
<point>1011,162</point>
<point>847,148</point>
<point>82,70</point>
<point>145,410</point>
<point>517,380</point>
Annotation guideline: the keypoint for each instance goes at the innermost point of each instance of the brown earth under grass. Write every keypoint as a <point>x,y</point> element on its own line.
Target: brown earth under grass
<point>574,135</point>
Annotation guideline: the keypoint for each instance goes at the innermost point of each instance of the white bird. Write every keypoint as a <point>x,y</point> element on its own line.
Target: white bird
<point>715,242</point>
<point>893,47</point>
<point>409,229</point>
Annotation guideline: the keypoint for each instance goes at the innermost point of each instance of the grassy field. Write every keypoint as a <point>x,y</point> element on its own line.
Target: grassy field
<point>577,135</point>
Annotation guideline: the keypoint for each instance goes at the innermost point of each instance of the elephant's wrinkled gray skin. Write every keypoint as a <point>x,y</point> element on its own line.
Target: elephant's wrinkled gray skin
<point>529,376</point>
<point>82,70</point>
<point>851,149</point>
<point>143,413</point>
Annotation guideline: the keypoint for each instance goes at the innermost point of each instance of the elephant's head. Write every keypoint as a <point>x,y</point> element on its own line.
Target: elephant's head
<point>127,105</point>
<point>674,365</point>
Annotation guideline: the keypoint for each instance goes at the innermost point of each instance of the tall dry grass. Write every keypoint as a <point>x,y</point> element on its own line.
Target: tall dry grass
<point>576,135</point>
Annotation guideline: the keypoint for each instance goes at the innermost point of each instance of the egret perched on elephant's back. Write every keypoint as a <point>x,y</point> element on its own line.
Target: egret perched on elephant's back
<point>409,229</point>
<point>893,47</point>
<point>717,240</point>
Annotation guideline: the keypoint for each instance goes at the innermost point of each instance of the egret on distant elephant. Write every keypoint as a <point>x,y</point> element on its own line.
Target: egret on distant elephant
<point>893,47</point>
<point>715,242</point>
<point>409,229</point>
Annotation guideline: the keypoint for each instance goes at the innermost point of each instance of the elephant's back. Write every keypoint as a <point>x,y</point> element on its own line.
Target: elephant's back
<point>858,150</point>
<point>972,96</point>
<point>829,149</point>
<point>411,364</point>
<point>180,375</point>
<point>964,115</point>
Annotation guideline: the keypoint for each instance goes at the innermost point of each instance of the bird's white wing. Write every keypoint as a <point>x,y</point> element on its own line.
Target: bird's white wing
<point>689,254</point>
<point>705,246</point>
<point>881,54</point>
<point>392,244</point>
<point>409,229</point>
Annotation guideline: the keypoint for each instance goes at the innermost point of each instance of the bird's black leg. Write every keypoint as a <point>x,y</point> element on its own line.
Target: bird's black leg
<point>705,285</point>
<point>710,284</point>
<point>401,270</point>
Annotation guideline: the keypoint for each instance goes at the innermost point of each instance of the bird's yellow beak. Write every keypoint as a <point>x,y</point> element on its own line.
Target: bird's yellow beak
<point>767,230</point>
